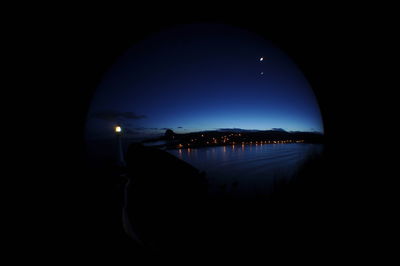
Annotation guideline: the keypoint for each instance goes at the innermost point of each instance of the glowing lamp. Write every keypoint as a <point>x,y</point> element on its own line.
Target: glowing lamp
<point>121,160</point>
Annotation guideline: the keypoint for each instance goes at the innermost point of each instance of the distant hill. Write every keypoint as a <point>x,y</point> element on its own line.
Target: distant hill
<point>236,136</point>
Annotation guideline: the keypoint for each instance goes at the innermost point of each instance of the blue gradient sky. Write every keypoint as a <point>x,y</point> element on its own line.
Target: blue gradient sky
<point>203,77</point>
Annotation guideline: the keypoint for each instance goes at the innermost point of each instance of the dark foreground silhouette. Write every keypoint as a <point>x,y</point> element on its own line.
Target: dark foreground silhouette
<point>167,208</point>
<point>164,200</point>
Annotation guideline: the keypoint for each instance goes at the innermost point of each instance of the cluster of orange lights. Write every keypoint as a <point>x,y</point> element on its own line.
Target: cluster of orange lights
<point>215,141</point>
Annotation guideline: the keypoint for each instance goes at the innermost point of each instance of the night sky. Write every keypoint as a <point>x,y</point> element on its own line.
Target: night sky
<point>202,77</point>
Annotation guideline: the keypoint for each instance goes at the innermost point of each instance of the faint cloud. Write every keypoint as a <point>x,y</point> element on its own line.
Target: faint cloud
<point>131,132</point>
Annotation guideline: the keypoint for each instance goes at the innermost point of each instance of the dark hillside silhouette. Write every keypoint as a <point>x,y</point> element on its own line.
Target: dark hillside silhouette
<point>164,199</point>
<point>169,209</point>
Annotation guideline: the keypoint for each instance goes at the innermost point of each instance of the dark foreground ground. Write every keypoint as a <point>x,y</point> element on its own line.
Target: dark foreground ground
<point>169,213</point>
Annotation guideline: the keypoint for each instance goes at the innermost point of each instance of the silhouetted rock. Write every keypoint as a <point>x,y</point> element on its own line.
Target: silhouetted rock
<point>169,134</point>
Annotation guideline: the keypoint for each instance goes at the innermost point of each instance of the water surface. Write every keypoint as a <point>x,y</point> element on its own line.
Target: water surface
<point>248,170</point>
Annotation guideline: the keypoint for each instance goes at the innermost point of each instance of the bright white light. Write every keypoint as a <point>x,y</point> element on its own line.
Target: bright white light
<point>262,58</point>
<point>118,129</point>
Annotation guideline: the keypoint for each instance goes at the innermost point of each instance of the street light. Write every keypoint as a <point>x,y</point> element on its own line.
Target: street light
<point>118,131</point>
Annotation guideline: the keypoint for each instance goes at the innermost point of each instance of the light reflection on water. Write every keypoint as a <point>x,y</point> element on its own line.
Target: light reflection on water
<point>248,169</point>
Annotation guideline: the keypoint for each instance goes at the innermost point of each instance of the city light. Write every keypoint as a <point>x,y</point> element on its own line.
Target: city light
<point>118,129</point>
<point>193,142</point>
